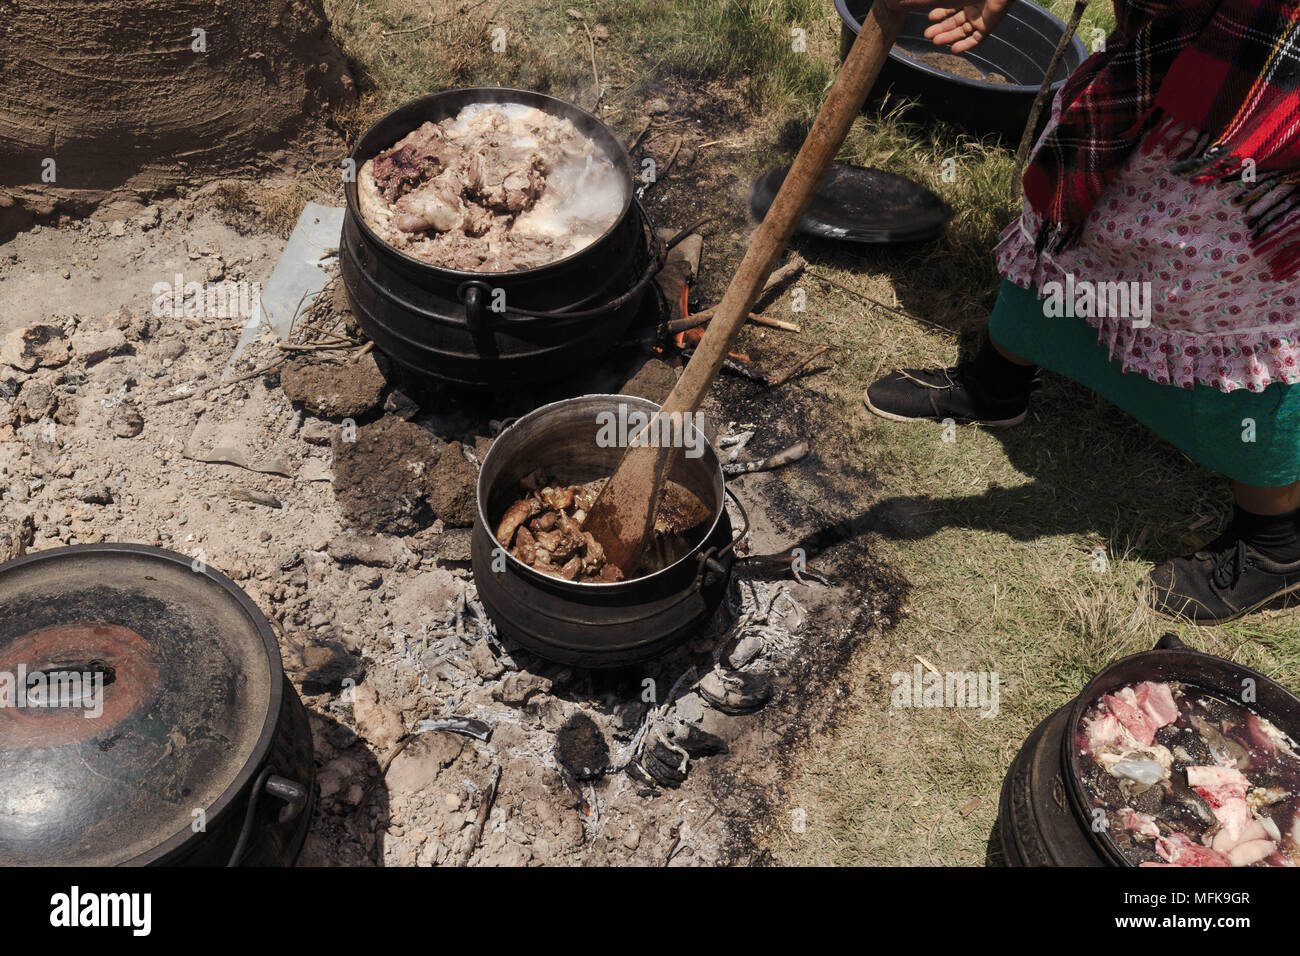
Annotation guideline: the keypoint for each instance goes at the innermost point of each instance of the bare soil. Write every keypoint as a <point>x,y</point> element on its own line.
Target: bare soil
<point>122,101</point>
<point>957,66</point>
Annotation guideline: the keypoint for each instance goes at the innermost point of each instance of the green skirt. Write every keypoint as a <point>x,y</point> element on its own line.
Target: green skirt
<point>1253,437</point>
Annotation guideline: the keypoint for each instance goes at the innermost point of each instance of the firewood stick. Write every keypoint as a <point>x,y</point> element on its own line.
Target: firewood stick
<point>782,458</point>
<point>485,808</point>
<point>672,157</point>
<point>700,318</point>
<point>637,139</point>
<point>797,367</point>
<point>791,269</point>
<point>1044,91</point>
<point>780,277</point>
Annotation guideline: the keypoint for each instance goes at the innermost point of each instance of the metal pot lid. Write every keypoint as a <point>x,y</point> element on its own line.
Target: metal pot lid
<point>861,204</point>
<point>138,693</point>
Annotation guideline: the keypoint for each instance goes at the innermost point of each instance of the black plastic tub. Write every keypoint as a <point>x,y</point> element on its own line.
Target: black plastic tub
<point>1044,814</point>
<point>440,323</point>
<point>1020,49</point>
<point>591,624</point>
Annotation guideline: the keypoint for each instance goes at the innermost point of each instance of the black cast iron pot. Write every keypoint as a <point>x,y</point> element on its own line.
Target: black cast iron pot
<point>594,625</point>
<point>1020,49</point>
<point>1044,814</point>
<point>439,323</point>
<point>191,749</point>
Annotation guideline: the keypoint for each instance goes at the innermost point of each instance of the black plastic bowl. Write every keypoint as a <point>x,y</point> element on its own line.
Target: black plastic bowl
<point>1020,49</point>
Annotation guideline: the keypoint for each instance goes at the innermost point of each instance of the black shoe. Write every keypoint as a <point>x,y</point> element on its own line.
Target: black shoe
<point>1225,580</point>
<point>936,394</point>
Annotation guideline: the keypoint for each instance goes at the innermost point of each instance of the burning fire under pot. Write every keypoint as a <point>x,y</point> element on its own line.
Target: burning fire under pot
<point>1046,816</point>
<point>592,624</point>
<point>497,329</point>
<point>149,719</point>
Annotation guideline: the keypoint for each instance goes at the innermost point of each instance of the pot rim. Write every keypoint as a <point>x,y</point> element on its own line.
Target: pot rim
<point>593,586</point>
<point>270,720</point>
<point>620,158</point>
<point>1101,683</point>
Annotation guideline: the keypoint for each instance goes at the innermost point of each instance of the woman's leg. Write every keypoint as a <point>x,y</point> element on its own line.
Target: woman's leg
<point>1267,501</point>
<point>1009,356</point>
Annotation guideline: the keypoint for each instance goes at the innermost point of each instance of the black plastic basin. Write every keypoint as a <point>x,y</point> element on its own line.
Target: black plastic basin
<point>1020,49</point>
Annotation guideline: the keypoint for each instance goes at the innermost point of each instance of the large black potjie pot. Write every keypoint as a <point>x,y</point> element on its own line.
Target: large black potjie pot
<point>439,322</point>
<point>1044,815</point>
<point>594,625</point>
<point>180,742</point>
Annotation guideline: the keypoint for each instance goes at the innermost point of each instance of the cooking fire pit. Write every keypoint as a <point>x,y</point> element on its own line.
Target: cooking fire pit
<point>595,625</point>
<point>496,329</point>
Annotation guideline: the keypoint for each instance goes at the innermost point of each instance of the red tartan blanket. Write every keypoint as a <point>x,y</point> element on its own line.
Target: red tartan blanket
<point>1229,69</point>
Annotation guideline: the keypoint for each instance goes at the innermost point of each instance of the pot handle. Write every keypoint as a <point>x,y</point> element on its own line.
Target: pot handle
<point>711,559</point>
<point>1169,642</point>
<point>473,294</point>
<point>291,792</point>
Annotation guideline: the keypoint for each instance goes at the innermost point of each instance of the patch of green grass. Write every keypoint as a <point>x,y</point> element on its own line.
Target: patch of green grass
<point>751,43</point>
<point>401,49</point>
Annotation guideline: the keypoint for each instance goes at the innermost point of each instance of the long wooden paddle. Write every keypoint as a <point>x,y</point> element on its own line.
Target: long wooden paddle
<point>622,518</point>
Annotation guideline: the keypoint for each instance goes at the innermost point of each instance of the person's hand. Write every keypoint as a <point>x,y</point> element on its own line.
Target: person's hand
<point>962,27</point>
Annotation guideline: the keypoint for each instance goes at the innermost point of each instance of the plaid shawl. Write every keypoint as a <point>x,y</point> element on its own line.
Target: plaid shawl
<point>1228,69</point>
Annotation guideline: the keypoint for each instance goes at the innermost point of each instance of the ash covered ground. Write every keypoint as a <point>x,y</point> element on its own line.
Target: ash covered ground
<point>115,425</point>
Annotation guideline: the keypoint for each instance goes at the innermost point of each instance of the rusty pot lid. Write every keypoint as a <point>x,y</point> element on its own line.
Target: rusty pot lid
<point>138,694</point>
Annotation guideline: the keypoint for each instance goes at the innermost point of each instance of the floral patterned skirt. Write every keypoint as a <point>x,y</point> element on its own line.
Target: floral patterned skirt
<point>1215,317</point>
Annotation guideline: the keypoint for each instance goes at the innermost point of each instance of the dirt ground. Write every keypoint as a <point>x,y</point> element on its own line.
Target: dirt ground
<point>120,428</point>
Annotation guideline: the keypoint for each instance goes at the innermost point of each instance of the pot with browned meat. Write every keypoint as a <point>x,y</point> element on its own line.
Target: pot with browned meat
<point>492,238</point>
<point>545,583</point>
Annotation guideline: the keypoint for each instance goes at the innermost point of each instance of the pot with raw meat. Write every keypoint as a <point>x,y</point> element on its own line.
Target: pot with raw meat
<point>492,238</point>
<point>146,719</point>
<point>1169,757</point>
<point>545,584</point>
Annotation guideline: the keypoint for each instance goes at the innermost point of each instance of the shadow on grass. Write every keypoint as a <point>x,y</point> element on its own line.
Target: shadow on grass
<point>1092,471</point>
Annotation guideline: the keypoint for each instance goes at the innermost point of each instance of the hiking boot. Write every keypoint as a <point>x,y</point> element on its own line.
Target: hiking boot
<point>936,394</point>
<point>1223,581</point>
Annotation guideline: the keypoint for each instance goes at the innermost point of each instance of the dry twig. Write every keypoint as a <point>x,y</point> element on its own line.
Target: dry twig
<point>484,809</point>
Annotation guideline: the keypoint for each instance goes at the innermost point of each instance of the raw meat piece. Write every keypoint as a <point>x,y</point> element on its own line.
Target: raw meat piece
<point>1265,735</point>
<point>1178,849</point>
<point>1157,701</point>
<point>1223,841</point>
<point>1251,851</point>
<point>1224,789</point>
<point>1138,822</point>
<point>1104,732</point>
<point>1135,720</point>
